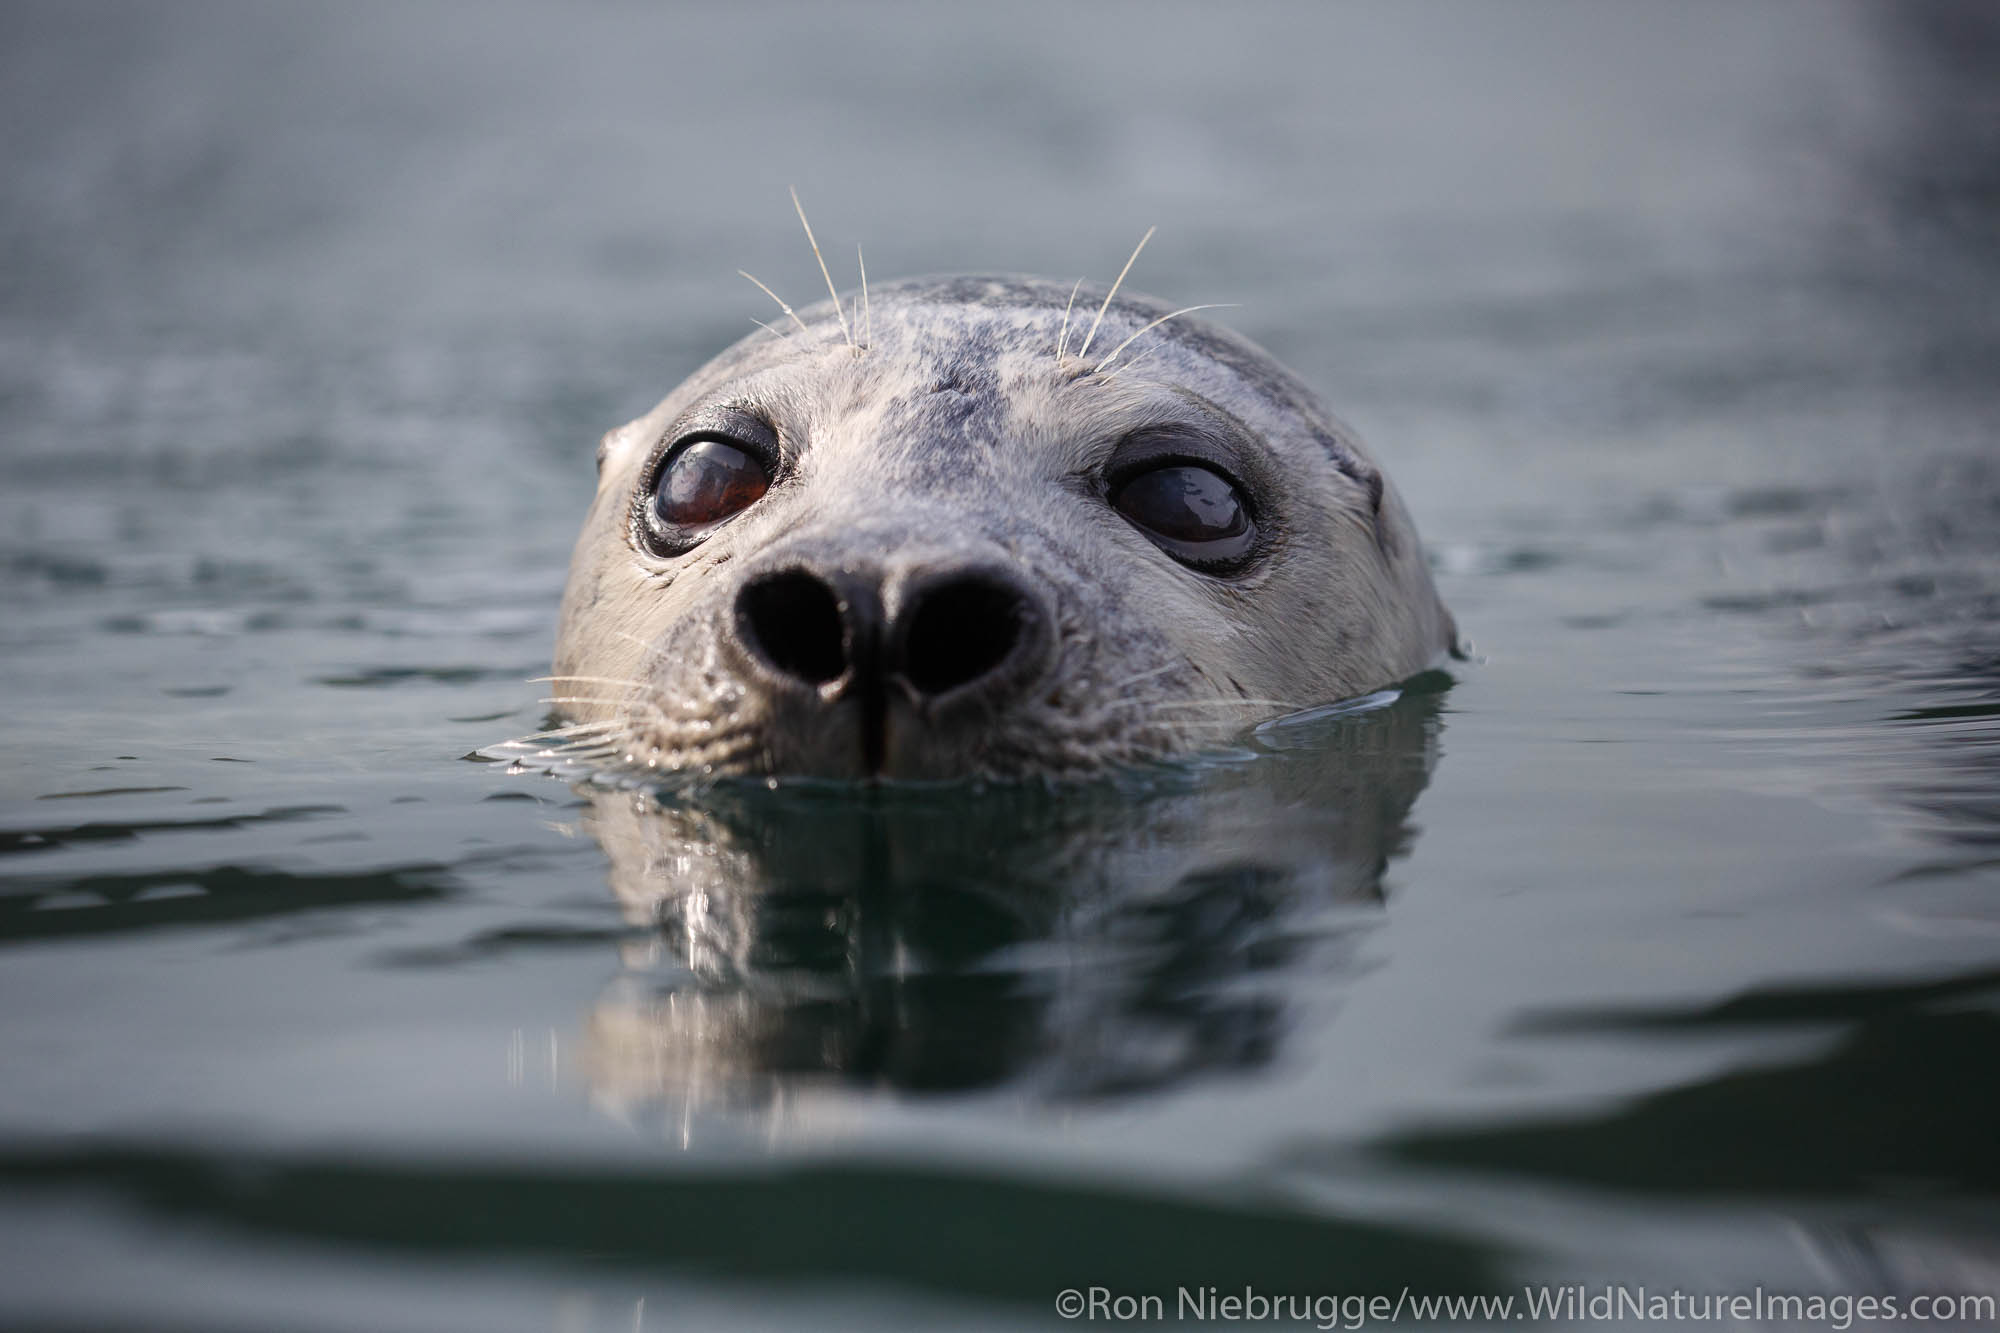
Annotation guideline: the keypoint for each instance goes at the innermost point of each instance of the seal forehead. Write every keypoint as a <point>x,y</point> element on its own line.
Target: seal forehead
<point>933,374</point>
<point>962,353</point>
<point>963,372</point>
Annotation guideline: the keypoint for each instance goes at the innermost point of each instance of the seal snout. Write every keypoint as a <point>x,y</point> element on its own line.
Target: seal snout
<point>920,660</point>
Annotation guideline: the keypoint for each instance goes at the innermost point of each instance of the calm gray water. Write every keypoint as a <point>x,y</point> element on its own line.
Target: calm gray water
<point>1662,947</point>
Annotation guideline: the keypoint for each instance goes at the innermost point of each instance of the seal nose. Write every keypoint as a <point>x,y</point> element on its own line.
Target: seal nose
<point>919,663</point>
<point>958,629</point>
<point>794,621</point>
<point>952,630</point>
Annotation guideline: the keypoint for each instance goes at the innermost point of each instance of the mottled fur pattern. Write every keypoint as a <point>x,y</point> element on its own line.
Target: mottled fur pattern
<point>947,430</point>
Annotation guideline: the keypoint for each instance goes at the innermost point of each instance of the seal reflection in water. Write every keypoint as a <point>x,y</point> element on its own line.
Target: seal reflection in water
<point>1069,943</point>
<point>981,527</point>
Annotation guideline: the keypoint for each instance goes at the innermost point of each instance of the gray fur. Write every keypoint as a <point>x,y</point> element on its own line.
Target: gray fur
<point>956,437</point>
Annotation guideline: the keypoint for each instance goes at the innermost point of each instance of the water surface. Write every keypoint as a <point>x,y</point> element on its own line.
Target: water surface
<point>1661,946</point>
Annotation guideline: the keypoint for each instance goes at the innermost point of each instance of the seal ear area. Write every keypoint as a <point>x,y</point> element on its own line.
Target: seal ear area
<point>617,447</point>
<point>1369,478</point>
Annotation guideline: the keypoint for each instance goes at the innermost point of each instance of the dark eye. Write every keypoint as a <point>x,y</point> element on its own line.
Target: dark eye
<point>1193,513</point>
<point>704,481</point>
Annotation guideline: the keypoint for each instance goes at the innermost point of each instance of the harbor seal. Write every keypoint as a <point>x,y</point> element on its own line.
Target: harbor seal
<point>981,527</point>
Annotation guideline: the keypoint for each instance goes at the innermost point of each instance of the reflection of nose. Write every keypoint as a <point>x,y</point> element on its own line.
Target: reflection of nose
<point>971,632</point>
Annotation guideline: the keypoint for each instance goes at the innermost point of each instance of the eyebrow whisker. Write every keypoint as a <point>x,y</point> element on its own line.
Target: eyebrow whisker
<point>839,313</point>
<point>780,300</point>
<point>867,315</point>
<point>1084,350</point>
<point>1184,310</point>
<point>1062,337</point>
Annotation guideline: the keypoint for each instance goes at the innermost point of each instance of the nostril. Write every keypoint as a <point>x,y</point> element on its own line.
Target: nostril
<point>960,631</point>
<point>792,621</point>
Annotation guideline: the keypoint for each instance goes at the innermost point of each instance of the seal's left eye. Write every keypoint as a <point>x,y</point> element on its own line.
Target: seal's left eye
<point>1192,512</point>
<point>703,482</point>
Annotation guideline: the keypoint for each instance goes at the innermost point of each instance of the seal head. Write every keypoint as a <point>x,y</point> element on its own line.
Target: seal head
<point>937,546</point>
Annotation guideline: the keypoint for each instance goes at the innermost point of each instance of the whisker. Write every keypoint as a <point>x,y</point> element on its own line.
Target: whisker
<point>766,327</point>
<point>1134,363</point>
<point>1143,675</point>
<point>1062,337</point>
<point>1198,705</point>
<point>1084,350</point>
<point>781,303</point>
<point>615,732</point>
<point>1184,310</point>
<point>1229,702</point>
<point>579,752</point>
<point>576,738</point>
<point>606,746</point>
<point>867,315</point>
<point>831,290</point>
<point>590,680</point>
<point>654,650</point>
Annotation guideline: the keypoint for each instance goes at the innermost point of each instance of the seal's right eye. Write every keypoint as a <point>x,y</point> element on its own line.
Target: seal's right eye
<point>704,481</point>
<point>1191,511</point>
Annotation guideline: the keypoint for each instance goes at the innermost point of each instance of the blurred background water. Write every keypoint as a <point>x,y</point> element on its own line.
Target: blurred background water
<point>1662,947</point>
